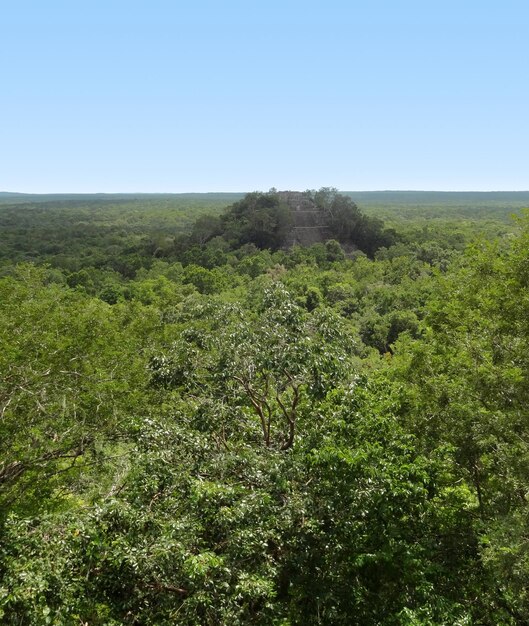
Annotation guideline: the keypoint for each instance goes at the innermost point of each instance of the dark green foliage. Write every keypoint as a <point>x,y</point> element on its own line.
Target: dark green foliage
<point>256,219</point>
<point>260,218</point>
<point>467,384</point>
<point>108,232</point>
<point>70,371</point>
<point>199,426</point>
<point>349,225</point>
<point>218,521</point>
<point>227,532</point>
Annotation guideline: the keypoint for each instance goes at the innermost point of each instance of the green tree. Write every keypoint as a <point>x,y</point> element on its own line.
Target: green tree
<point>270,484</point>
<point>466,384</point>
<point>70,371</point>
<point>260,218</point>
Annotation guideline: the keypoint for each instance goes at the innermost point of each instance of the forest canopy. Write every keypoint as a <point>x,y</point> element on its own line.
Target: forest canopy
<point>203,425</point>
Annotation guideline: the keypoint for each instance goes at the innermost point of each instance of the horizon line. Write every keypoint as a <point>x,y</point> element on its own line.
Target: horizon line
<point>153,193</point>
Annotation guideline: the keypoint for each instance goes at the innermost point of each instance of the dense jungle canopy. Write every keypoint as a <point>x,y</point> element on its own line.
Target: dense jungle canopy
<point>203,423</point>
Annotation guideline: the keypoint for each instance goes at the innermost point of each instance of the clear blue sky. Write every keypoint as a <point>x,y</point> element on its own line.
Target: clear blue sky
<point>161,96</point>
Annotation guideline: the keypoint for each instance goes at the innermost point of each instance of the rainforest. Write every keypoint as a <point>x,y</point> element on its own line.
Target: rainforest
<point>275,408</point>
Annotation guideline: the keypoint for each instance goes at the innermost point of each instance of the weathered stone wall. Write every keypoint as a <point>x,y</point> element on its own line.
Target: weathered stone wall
<point>309,224</point>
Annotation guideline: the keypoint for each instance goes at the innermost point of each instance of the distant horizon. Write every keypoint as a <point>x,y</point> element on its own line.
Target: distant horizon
<point>244,191</point>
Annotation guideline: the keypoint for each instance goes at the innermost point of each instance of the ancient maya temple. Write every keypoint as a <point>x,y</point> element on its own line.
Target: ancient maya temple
<point>309,225</point>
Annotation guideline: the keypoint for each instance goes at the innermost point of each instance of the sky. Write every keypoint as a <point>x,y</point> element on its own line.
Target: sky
<point>241,95</point>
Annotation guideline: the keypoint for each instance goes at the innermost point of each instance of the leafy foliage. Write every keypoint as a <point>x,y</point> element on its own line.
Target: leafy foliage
<point>197,430</point>
<point>467,384</point>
